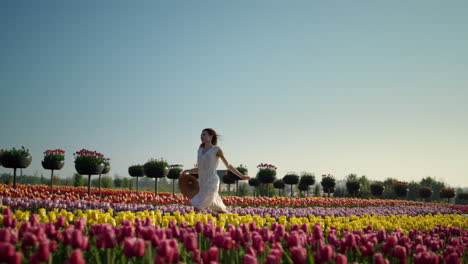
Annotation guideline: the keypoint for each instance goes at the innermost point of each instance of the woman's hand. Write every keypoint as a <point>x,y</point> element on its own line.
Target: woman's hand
<point>246,177</point>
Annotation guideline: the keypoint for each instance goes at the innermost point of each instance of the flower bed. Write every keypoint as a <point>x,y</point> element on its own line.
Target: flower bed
<point>81,239</point>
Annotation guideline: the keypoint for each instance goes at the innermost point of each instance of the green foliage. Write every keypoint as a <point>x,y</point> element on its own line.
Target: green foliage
<point>6,178</point>
<point>400,188</point>
<point>425,192</point>
<point>266,175</point>
<point>228,179</point>
<point>136,170</point>
<point>279,184</point>
<point>54,155</point>
<point>254,182</point>
<point>107,182</point>
<point>174,173</point>
<point>243,189</point>
<point>291,179</point>
<point>377,188</point>
<point>328,183</point>
<point>307,179</point>
<point>14,152</point>
<point>88,157</point>
<point>156,163</point>
<point>78,180</point>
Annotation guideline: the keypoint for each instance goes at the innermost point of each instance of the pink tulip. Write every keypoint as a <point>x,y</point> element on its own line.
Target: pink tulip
<point>379,259</point>
<point>76,257</point>
<point>191,242</point>
<point>249,259</point>
<point>257,243</point>
<point>134,247</point>
<point>168,250</point>
<point>29,239</point>
<point>212,254</point>
<point>298,255</point>
<point>426,257</point>
<point>7,251</point>
<point>341,259</point>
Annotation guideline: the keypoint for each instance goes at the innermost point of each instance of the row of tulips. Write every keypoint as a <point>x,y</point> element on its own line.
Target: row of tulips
<point>389,222</point>
<point>49,204</point>
<point>141,241</point>
<point>126,196</point>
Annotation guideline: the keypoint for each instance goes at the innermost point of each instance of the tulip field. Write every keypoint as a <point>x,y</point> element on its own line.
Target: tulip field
<point>123,226</point>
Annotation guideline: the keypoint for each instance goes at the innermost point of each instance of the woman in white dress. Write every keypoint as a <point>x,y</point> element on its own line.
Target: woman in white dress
<point>208,159</point>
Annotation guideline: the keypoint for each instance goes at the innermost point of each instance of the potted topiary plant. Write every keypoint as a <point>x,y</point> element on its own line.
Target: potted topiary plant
<point>307,179</point>
<point>353,187</point>
<point>328,183</point>
<point>156,168</point>
<point>174,173</point>
<point>136,171</point>
<point>266,174</point>
<point>15,159</point>
<point>106,170</point>
<point>377,188</point>
<point>54,159</point>
<point>400,188</point>
<point>254,182</point>
<point>229,179</point>
<point>425,193</point>
<point>447,193</point>
<point>242,169</point>
<point>279,184</point>
<point>89,163</point>
<point>291,179</point>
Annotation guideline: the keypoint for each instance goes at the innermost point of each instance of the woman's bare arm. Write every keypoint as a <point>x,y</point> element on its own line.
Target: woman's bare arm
<point>231,168</point>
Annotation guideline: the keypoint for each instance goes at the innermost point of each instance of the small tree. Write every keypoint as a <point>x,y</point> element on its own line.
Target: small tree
<point>328,183</point>
<point>291,179</point>
<point>254,182</point>
<point>242,169</point>
<point>266,174</point>
<point>302,188</point>
<point>307,180</point>
<point>352,185</point>
<point>377,188</point>
<point>279,184</point>
<point>78,180</point>
<point>107,182</point>
<point>400,188</point>
<point>174,173</point>
<point>425,192</point>
<point>229,179</point>
<point>156,168</point>
<point>447,193</point>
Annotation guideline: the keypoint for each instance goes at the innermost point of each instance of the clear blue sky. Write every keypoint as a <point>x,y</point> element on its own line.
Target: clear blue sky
<point>378,88</point>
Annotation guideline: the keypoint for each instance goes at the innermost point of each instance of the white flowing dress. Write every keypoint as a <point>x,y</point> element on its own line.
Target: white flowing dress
<point>208,197</point>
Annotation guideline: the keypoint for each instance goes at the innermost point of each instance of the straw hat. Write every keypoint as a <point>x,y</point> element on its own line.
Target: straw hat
<point>188,185</point>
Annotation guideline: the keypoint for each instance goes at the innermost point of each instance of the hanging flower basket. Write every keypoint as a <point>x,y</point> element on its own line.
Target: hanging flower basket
<point>16,158</point>
<point>136,171</point>
<point>53,159</point>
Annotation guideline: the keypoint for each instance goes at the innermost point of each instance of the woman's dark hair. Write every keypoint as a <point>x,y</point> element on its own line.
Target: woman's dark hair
<point>214,139</point>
